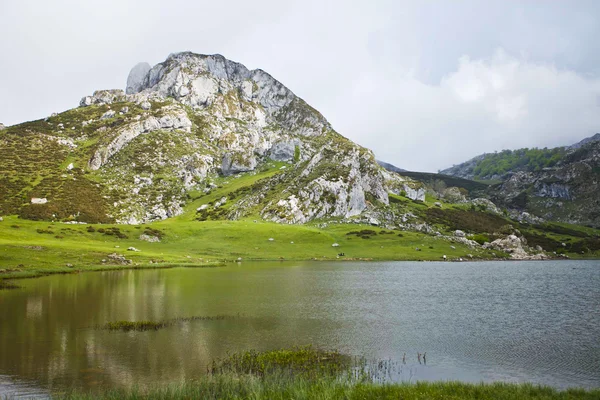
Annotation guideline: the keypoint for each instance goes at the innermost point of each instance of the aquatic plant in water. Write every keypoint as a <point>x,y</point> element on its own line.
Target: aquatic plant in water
<point>5,285</point>
<point>304,360</point>
<point>156,325</point>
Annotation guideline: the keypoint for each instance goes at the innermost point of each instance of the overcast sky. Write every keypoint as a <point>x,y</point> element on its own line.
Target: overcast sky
<point>424,84</point>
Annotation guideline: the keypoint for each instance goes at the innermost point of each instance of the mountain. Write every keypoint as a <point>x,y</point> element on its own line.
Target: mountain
<point>390,167</point>
<point>181,129</point>
<point>494,166</point>
<point>560,184</point>
<point>595,138</point>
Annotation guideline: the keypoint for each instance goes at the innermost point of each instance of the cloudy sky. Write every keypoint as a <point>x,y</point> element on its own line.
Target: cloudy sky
<point>425,84</point>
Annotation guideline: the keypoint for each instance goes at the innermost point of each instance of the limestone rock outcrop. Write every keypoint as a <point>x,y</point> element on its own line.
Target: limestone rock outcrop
<point>136,77</point>
<point>103,97</point>
<point>515,246</point>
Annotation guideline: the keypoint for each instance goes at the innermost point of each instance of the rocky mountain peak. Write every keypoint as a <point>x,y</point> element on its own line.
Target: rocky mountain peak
<point>196,79</point>
<point>195,118</point>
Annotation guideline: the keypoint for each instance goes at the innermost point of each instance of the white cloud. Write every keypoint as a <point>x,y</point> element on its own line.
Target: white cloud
<point>484,105</point>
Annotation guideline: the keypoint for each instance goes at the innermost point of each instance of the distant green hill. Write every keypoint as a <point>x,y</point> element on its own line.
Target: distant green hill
<point>560,184</point>
<point>496,165</point>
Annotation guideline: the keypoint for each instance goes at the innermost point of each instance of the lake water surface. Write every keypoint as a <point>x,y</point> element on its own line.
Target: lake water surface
<point>509,321</point>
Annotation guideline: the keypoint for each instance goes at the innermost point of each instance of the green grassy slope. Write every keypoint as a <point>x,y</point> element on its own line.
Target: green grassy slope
<point>34,164</point>
<point>25,252</point>
<point>31,248</point>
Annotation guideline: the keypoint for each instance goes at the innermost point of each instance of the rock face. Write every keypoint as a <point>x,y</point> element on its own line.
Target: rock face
<point>486,205</point>
<point>103,97</point>
<point>552,190</point>
<point>331,183</point>
<point>515,246</point>
<point>233,163</point>
<point>197,80</point>
<point>284,150</point>
<point>173,119</point>
<point>109,114</point>
<point>569,192</point>
<point>136,77</point>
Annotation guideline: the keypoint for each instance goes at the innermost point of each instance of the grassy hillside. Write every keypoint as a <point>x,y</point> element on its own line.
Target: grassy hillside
<point>493,165</point>
<point>531,160</point>
<point>35,163</point>
<point>29,248</point>
<point>201,238</point>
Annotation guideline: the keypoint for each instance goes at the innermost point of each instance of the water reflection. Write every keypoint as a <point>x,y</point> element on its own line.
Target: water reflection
<point>11,388</point>
<point>515,322</point>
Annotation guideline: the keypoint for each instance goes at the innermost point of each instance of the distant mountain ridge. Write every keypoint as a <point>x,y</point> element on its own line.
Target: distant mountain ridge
<point>561,184</point>
<point>390,167</point>
<point>493,166</point>
<point>585,141</point>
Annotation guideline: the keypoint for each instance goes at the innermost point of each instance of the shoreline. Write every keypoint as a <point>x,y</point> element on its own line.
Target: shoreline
<point>8,278</point>
<point>311,372</point>
<point>321,385</point>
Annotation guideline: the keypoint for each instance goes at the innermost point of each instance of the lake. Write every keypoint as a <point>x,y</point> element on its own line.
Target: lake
<point>478,321</point>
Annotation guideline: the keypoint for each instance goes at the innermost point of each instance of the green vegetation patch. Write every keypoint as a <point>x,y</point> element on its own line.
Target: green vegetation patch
<point>480,238</point>
<point>139,326</point>
<point>466,220</point>
<point>154,232</point>
<point>561,245</point>
<point>6,285</point>
<point>298,361</point>
<point>531,160</point>
<point>363,234</point>
<point>113,231</point>
<point>561,230</point>
<point>134,326</point>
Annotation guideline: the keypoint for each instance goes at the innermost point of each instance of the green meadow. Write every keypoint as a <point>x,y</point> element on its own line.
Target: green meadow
<point>203,238</point>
